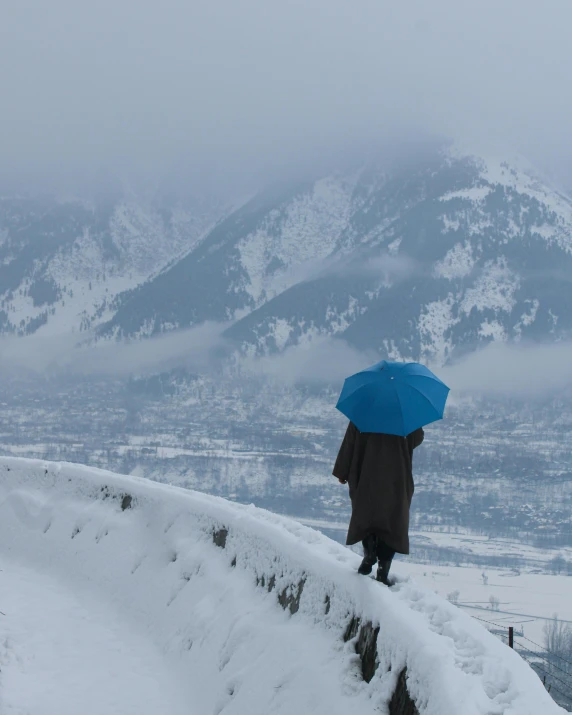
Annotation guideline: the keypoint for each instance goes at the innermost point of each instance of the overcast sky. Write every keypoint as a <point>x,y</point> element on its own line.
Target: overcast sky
<point>248,87</point>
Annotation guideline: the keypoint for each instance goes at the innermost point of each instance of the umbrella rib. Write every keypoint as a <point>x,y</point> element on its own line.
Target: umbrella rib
<point>411,387</point>
<point>423,395</point>
<point>392,383</point>
<point>434,378</point>
<point>366,386</point>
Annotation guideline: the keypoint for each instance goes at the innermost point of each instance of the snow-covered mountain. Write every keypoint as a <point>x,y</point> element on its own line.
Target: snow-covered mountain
<point>457,253</point>
<point>252,256</point>
<point>417,261</point>
<point>64,260</point>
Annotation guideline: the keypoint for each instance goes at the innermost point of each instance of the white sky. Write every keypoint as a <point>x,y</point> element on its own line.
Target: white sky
<point>247,87</point>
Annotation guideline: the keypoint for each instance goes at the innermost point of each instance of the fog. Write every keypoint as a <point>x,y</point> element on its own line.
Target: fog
<point>325,361</point>
<point>239,90</point>
<point>197,349</point>
<point>525,370</point>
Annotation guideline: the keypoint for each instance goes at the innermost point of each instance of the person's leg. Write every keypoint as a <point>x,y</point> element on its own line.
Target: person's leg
<point>369,555</point>
<point>385,556</point>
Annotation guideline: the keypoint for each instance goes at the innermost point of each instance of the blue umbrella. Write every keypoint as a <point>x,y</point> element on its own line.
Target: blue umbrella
<point>393,398</point>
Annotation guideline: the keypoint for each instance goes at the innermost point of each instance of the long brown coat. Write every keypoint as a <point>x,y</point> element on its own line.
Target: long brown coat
<point>378,469</point>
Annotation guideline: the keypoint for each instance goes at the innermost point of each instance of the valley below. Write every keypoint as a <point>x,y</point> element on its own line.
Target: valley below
<point>493,469</point>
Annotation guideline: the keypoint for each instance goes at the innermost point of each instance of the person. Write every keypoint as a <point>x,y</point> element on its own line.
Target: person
<point>378,470</point>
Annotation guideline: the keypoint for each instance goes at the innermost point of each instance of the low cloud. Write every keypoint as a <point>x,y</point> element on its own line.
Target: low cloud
<point>389,269</point>
<point>516,370</point>
<point>197,349</point>
<point>392,269</point>
<point>513,370</point>
<point>323,361</point>
<point>250,87</point>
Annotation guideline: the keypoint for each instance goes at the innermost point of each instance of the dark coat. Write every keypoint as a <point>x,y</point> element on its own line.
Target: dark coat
<point>378,468</point>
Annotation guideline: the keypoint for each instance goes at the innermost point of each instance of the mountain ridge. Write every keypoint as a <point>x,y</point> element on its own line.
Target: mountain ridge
<point>424,260</point>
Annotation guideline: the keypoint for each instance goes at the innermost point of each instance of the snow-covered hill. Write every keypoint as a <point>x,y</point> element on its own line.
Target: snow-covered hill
<point>222,608</point>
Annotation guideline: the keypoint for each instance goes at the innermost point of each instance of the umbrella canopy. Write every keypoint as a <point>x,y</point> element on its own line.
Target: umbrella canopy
<point>393,398</point>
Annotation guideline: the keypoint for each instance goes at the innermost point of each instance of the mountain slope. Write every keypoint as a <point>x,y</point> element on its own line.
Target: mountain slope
<point>253,255</point>
<point>63,261</point>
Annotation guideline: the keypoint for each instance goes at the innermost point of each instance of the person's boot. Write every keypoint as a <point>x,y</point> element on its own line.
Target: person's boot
<point>369,555</point>
<point>383,572</point>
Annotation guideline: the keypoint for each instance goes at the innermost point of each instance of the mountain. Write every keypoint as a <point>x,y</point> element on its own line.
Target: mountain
<point>249,258</point>
<point>64,260</point>
<point>421,260</point>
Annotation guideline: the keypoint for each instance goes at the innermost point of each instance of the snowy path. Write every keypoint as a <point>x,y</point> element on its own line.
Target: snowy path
<point>64,654</point>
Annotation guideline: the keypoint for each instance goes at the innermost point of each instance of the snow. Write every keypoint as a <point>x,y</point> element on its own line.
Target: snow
<point>458,262</point>
<point>281,331</point>
<point>435,322</point>
<point>526,600</point>
<point>494,289</point>
<point>393,247</point>
<point>338,321</point>
<point>69,313</point>
<point>492,329</point>
<point>527,597</point>
<point>527,319</point>
<point>295,239</point>
<point>93,648</point>
<point>475,194</point>
<point>545,231</point>
<point>450,224</point>
<point>89,278</point>
<point>516,174</point>
<point>142,598</point>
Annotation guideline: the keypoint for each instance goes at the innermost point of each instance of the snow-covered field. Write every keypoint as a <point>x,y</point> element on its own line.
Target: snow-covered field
<point>125,596</point>
<point>527,598</point>
<point>525,601</point>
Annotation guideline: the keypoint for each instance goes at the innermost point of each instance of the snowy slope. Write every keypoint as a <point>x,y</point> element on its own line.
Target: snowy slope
<point>232,609</point>
<point>64,261</point>
<point>276,240</point>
